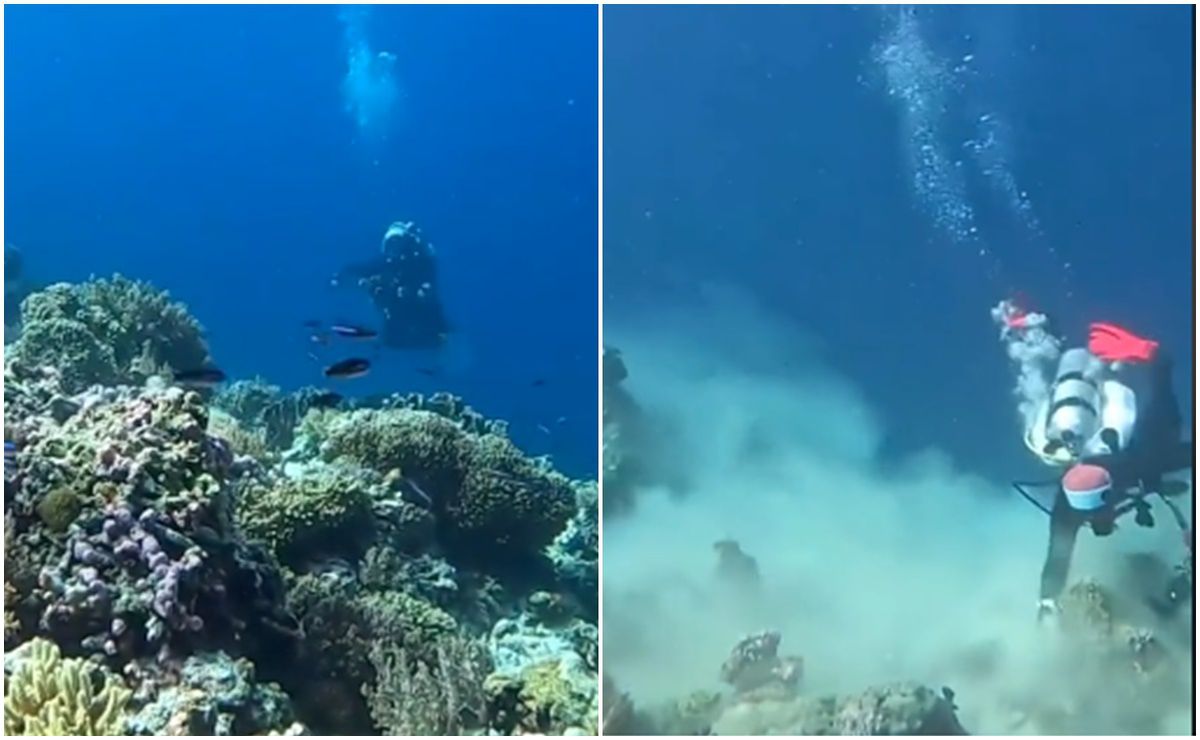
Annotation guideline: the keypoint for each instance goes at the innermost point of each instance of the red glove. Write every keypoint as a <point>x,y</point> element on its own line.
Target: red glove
<point>1114,344</point>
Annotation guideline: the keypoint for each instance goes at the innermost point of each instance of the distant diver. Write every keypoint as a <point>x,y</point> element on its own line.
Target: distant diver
<point>1114,451</point>
<point>402,283</point>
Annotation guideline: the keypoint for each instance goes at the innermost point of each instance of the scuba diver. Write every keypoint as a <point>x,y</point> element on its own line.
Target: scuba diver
<point>1114,451</point>
<point>402,283</point>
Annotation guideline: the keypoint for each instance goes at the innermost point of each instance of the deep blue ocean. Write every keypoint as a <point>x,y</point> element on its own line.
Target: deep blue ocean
<point>210,151</point>
<point>773,148</point>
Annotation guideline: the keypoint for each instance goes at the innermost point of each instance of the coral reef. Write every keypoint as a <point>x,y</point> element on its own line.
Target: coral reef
<point>260,562</point>
<point>489,499</point>
<point>46,694</point>
<point>212,694</point>
<point>441,694</point>
<point>109,330</point>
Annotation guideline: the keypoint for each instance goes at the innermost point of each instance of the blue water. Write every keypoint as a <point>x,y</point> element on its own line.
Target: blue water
<point>210,151</point>
<point>766,147</point>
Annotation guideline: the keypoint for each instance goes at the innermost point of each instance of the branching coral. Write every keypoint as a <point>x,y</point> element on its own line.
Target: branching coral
<point>440,694</point>
<point>49,695</point>
<point>110,331</point>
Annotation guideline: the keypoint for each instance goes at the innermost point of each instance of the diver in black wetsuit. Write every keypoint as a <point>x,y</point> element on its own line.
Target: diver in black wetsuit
<point>1118,453</point>
<point>402,283</point>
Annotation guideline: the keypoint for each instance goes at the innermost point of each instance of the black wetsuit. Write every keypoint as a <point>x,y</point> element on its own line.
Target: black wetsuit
<point>403,284</point>
<point>1156,449</point>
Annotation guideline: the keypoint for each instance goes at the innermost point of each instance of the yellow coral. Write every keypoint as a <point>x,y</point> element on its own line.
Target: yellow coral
<point>48,695</point>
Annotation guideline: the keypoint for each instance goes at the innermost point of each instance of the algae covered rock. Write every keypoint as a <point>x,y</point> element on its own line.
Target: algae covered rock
<point>46,694</point>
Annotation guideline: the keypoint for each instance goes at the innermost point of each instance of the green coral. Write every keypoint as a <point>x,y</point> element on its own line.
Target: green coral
<point>342,621</point>
<point>299,515</point>
<point>48,695</point>
<point>419,443</point>
<point>546,698</point>
<point>507,501</point>
<point>109,331</point>
<point>59,508</point>
<point>491,498</point>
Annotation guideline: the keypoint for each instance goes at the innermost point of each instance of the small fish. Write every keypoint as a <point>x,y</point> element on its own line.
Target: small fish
<point>560,420</point>
<point>204,377</point>
<point>543,428</point>
<point>539,383</point>
<point>354,367</point>
<point>350,331</point>
<point>319,338</point>
<point>312,324</point>
<point>416,489</point>
<point>428,371</point>
<point>325,399</point>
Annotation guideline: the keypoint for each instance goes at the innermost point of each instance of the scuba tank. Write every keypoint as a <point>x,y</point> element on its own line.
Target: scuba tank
<point>1073,414</point>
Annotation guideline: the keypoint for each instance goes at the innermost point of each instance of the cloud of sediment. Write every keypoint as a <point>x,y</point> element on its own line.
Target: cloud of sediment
<point>873,571</point>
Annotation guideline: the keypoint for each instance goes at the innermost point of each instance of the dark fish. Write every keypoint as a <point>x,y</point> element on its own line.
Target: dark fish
<point>205,377</point>
<point>312,324</point>
<point>355,367</point>
<point>539,383</point>
<point>325,399</point>
<point>350,331</point>
<point>428,371</point>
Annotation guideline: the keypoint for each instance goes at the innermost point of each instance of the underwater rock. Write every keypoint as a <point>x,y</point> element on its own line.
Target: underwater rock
<point>736,569</point>
<point>896,709</point>
<point>755,666</point>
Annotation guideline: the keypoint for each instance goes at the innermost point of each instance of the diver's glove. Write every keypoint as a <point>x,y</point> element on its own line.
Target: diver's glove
<point>1048,611</point>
